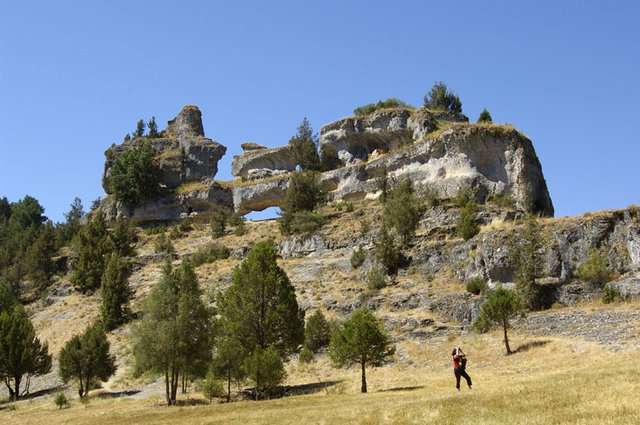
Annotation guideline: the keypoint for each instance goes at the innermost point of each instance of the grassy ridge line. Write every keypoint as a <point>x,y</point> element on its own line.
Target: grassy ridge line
<point>599,389</point>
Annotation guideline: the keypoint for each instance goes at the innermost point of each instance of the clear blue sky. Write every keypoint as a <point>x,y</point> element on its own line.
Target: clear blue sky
<point>75,76</point>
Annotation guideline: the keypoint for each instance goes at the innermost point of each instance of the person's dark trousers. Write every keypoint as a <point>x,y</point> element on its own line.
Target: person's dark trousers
<point>459,371</point>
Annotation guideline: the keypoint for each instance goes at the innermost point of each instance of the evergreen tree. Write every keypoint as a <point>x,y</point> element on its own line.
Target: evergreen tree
<point>91,245</point>
<point>502,306</point>
<point>115,293</point>
<point>317,332</point>
<point>527,248</point>
<point>485,116</point>
<point>85,358</point>
<point>174,335</point>
<point>153,127</point>
<point>264,367</point>
<point>304,193</point>
<point>72,226</point>
<point>127,137</point>
<point>135,174</point>
<point>402,210</point>
<point>219,217</point>
<point>5,209</point>
<point>139,132</point>
<point>304,148</point>
<point>21,352</point>
<point>123,237</point>
<point>228,362</point>
<point>467,225</point>
<point>361,339</point>
<point>6,297</point>
<point>440,98</point>
<point>39,262</point>
<point>387,252</point>
<point>260,309</point>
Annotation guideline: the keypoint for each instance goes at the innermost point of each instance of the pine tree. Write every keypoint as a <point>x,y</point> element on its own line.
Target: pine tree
<point>361,339</point>
<point>317,332</point>
<point>387,252</point>
<point>153,127</point>
<point>260,309</point>
<point>264,366</point>
<point>219,217</point>
<point>21,352</point>
<point>91,245</point>
<point>115,293</point>
<point>527,248</point>
<point>72,226</point>
<point>467,225</point>
<point>304,148</point>
<point>85,358</point>
<point>39,261</point>
<point>440,98</point>
<point>123,237</point>
<point>139,129</point>
<point>485,116</point>
<point>174,336</point>
<point>501,306</point>
<point>228,362</point>
<point>402,210</point>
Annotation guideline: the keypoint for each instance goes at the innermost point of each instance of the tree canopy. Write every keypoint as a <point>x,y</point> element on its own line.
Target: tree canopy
<point>500,308</point>
<point>304,148</point>
<point>440,98</point>
<point>361,339</point>
<point>21,352</point>
<point>135,174</point>
<point>175,334</point>
<point>85,358</point>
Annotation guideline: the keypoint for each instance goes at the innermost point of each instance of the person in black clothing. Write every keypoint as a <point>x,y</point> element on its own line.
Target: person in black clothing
<point>459,365</point>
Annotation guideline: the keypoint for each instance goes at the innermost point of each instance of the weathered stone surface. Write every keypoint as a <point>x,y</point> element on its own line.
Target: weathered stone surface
<point>188,123</point>
<point>347,141</point>
<point>169,207</point>
<point>492,160</point>
<point>256,163</point>
<point>184,154</point>
<point>250,146</point>
<point>260,195</point>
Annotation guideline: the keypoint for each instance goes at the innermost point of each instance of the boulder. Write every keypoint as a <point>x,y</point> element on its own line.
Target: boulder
<point>259,162</point>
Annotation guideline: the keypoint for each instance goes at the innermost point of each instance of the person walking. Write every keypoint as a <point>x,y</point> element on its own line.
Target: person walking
<point>459,367</point>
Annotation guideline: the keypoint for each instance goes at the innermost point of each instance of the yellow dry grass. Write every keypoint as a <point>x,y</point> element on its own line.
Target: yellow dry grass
<point>553,381</point>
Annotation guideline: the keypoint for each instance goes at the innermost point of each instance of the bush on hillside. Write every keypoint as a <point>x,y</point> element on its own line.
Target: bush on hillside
<point>370,108</point>
<point>440,98</point>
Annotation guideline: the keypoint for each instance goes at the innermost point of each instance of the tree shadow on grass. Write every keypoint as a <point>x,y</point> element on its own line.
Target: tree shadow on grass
<point>117,394</point>
<point>38,393</point>
<point>287,390</point>
<point>415,387</point>
<point>530,345</point>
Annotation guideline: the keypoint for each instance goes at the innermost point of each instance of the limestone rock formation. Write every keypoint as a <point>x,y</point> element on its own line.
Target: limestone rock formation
<point>183,151</point>
<point>258,162</point>
<point>351,140</point>
<point>259,195</point>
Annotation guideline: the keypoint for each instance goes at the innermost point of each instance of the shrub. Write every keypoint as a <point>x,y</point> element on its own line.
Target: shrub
<point>358,257</point>
<point>155,230</point>
<point>610,295</point>
<point>431,198</point>
<point>440,98</point>
<point>505,200</point>
<point>265,368</point>
<point>61,401</point>
<point>376,278</point>
<point>212,387</point>
<point>462,196</point>
<point>595,269</point>
<point>163,245</point>
<point>304,192</point>
<point>306,355</point>
<point>370,108</point>
<point>485,116</point>
<point>185,225</point>
<point>365,226</point>
<point>175,233</point>
<point>300,222</point>
<point>387,252</point>
<point>209,254</point>
<point>402,210</point>
<point>467,225</point>
<point>478,285</point>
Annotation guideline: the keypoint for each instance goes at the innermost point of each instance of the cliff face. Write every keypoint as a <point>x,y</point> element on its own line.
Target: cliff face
<point>439,151</point>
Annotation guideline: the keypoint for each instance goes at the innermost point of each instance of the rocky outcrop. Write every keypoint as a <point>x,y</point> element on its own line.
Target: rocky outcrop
<point>257,162</point>
<point>260,195</point>
<point>351,140</point>
<point>184,154</point>
<point>170,206</point>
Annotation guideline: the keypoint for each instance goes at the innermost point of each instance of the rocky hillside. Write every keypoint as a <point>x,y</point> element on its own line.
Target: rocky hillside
<point>440,151</point>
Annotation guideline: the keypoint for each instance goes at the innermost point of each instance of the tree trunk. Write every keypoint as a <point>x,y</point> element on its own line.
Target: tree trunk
<point>364,377</point>
<point>166,386</point>
<point>229,386</point>
<point>16,393</point>
<point>506,340</point>
<point>81,389</point>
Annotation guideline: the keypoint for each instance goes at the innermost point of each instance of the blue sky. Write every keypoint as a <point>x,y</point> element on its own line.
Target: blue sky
<point>75,76</point>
